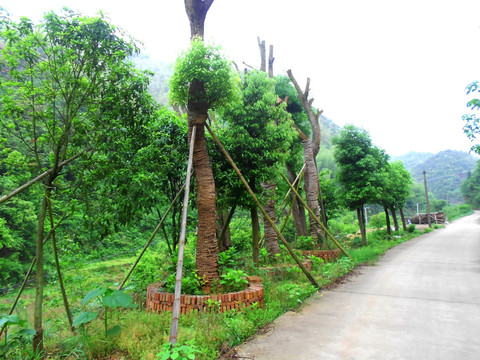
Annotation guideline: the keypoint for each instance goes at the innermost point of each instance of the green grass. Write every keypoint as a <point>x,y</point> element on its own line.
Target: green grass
<point>143,333</point>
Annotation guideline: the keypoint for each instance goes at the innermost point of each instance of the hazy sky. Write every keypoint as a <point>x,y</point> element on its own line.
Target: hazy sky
<point>396,68</point>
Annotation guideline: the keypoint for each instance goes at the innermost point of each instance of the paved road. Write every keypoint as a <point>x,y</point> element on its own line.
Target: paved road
<point>421,301</point>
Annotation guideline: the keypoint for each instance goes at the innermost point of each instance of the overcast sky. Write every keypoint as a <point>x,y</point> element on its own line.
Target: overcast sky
<point>396,68</point>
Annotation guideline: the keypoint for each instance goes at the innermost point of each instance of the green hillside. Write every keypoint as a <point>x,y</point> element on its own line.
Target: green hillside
<point>413,158</point>
<point>445,171</point>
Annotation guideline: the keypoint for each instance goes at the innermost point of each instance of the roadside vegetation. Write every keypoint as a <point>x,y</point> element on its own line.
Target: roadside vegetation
<point>143,335</point>
<point>92,166</point>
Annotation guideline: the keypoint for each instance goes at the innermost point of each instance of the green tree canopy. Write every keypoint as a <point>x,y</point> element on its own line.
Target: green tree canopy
<point>359,166</point>
<point>471,188</point>
<point>360,170</point>
<point>257,133</point>
<point>203,64</point>
<point>472,120</point>
<point>66,88</point>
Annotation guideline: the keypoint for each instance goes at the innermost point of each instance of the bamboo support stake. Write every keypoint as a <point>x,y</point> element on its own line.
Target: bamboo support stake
<point>160,224</point>
<point>259,205</point>
<point>297,181</point>
<point>39,177</point>
<point>291,205</point>
<point>57,265</point>
<point>317,219</point>
<point>29,272</point>
<point>181,245</point>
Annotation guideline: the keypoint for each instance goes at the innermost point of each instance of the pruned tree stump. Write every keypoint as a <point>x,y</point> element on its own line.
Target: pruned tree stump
<point>159,301</point>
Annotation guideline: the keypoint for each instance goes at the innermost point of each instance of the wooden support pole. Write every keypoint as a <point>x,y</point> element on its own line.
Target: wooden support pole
<point>12,308</point>
<point>160,224</point>
<point>40,177</point>
<point>57,266</point>
<point>317,219</point>
<point>297,181</point>
<point>259,205</point>
<point>181,245</point>
<point>30,269</point>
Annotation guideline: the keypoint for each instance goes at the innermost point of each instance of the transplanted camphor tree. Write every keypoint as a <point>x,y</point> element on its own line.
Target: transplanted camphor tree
<point>203,80</point>
<point>257,132</point>
<point>359,173</point>
<point>311,146</point>
<point>57,78</point>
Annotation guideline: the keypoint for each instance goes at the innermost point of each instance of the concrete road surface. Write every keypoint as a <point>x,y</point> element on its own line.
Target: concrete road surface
<point>420,301</point>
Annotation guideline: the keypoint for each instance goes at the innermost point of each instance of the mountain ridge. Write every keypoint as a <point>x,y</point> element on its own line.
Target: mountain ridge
<point>445,171</point>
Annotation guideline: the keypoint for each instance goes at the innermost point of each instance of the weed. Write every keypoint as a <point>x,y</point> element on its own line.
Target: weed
<point>13,341</point>
<point>109,299</point>
<point>178,351</point>
<point>411,228</point>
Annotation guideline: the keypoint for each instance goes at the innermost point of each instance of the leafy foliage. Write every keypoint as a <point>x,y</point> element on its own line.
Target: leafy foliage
<point>471,188</point>
<point>178,351</point>
<point>257,134</point>
<point>109,299</point>
<point>359,167</point>
<point>233,280</point>
<point>204,64</point>
<point>472,121</point>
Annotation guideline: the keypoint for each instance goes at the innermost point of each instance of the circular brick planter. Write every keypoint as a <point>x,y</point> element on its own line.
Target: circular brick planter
<point>326,255</point>
<point>160,301</point>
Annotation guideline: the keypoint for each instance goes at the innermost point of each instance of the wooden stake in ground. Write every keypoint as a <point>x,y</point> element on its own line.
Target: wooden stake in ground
<point>316,218</point>
<point>181,246</point>
<point>259,205</point>
<point>57,266</point>
<point>40,177</point>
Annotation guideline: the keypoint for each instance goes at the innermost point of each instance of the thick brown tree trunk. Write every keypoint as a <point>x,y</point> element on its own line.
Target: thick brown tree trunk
<point>298,211</point>
<point>311,188</point>
<point>387,218</point>
<point>271,240</point>
<point>394,217</point>
<point>255,235</point>
<point>207,248</point>
<point>197,112</point>
<point>402,216</point>
<point>310,150</point>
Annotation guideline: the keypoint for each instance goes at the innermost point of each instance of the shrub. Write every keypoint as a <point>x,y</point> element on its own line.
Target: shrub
<point>305,243</point>
<point>377,221</point>
<point>228,259</point>
<point>147,271</point>
<point>233,280</point>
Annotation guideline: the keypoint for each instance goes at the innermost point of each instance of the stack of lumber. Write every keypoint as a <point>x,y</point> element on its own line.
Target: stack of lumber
<point>435,218</point>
